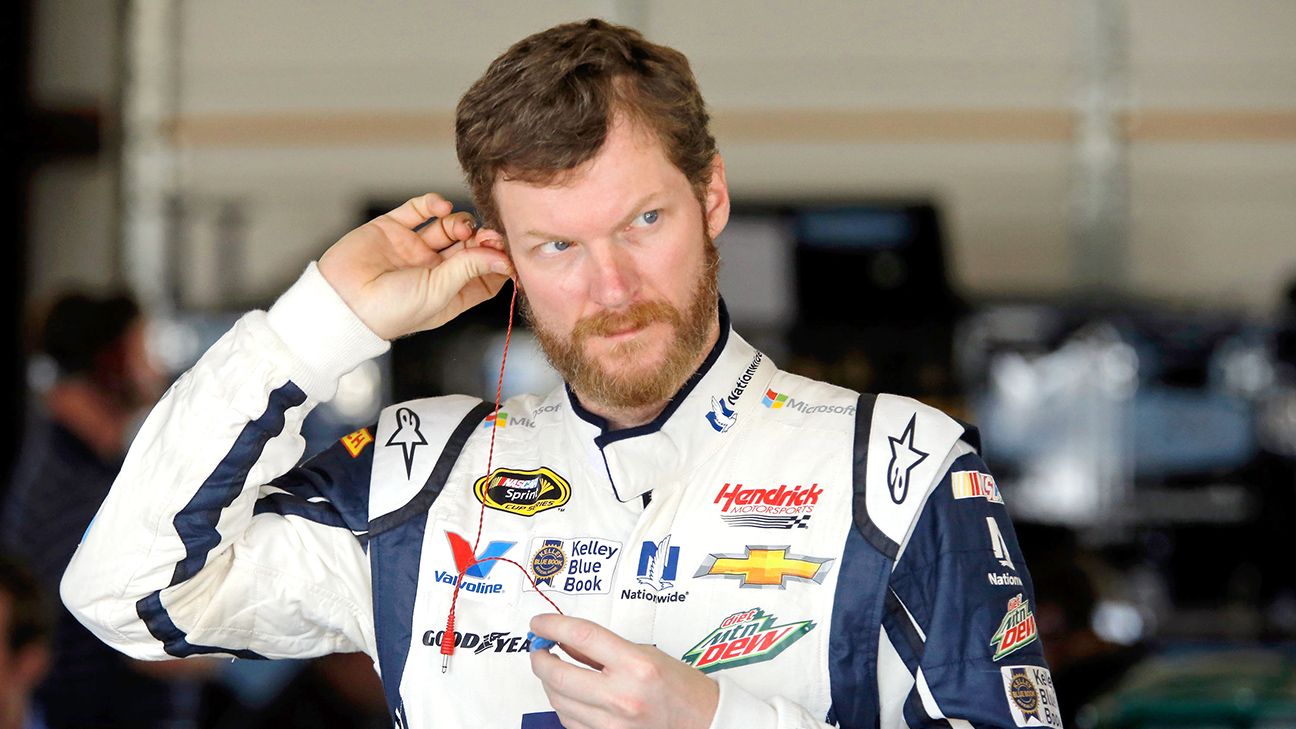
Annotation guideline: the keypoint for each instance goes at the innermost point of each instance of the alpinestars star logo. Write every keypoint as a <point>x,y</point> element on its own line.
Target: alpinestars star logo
<point>1016,630</point>
<point>407,436</point>
<point>744,638</point>
<point>904,458</point>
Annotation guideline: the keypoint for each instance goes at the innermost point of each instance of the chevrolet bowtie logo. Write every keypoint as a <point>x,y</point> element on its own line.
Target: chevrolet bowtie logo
<point>766,567</point>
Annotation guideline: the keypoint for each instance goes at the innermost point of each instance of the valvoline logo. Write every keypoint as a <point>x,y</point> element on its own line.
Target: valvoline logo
<point>477,567</point>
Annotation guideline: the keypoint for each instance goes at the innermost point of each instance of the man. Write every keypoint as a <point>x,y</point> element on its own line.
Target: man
<point>722,558</point>
<point>103,380</point>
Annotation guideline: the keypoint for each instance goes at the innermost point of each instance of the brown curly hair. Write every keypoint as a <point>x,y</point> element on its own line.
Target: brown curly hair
<point>546,105</point>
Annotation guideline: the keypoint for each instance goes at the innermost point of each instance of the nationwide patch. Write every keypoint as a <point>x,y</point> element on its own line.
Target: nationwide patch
<point>785,507</point>
<point>574,566</point>
<point>1016,630</point>
<point>658,567</point>
<point>744,638</point>
<point>766,567</point>
<point>975,485</point>
<point>355,442</point>
<point>1032,700</point>
<point>525,493</point>
<point>721,416</point>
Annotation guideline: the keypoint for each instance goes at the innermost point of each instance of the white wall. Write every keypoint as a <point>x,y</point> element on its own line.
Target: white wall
<point>1212,220</point>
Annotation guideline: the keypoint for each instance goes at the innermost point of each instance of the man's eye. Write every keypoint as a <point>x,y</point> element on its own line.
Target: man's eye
<point>555,246</point>
<point>646,219</point>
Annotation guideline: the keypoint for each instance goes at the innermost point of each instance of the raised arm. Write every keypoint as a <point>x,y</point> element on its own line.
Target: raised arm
<point>209,542</point>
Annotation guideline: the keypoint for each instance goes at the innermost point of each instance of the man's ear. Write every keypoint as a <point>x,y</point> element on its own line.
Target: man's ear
<point>716,199</point>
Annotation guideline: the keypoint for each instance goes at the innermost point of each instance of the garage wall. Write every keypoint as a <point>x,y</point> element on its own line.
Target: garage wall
<point>295,113</point>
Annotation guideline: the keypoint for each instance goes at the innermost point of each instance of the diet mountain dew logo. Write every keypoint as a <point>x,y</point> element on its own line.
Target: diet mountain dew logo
<point>744,638</point>
<point>1017,628</point>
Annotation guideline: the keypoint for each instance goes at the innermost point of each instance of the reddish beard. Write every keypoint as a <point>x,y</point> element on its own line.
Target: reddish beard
<point>620,384</point>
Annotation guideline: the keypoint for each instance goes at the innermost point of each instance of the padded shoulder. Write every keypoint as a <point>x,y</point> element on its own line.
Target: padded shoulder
<point>410,441</point>
<point>813,399</point>
<point>901,449</point>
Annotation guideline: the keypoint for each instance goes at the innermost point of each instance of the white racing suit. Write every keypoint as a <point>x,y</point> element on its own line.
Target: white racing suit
<point>828,558</point>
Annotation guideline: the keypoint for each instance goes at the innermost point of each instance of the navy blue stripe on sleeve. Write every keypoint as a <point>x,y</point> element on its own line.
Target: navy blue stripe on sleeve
<point>335,475</point>
<point>289,505</point>
<point>174,640</point>
<point>196,522</point>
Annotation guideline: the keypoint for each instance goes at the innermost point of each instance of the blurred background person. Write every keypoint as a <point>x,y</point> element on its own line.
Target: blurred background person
<point>96,380</point>
<point>25,627</point>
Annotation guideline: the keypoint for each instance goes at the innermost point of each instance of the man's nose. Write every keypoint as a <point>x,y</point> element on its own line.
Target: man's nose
<point>614,276</point>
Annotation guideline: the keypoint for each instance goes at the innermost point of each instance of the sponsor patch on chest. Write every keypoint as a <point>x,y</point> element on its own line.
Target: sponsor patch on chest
<point>751,636</point>
<point>523,492</point>
<point>573,566</point>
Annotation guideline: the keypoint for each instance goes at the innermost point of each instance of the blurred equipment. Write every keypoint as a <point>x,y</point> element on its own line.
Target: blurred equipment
<point>1195,687</point>
<point>1160,436</point>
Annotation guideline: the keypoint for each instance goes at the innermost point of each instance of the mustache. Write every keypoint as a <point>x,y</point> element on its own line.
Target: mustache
<point>638,315</point>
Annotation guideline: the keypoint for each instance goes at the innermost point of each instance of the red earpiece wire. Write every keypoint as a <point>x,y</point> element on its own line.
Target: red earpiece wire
<point>448,641</point>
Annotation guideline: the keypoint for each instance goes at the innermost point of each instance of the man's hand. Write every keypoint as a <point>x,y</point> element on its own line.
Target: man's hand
<point>626,684</point>
<point>399,281</point>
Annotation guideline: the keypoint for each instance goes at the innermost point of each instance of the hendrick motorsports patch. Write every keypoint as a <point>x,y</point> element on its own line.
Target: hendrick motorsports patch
<point>1031,698</point>
<point>525,493</point>
<point>745,638</point>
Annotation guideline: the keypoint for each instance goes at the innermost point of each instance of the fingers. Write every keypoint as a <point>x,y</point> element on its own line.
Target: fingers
<point>561,677</point>
<point>596,645</point>
<point>460,226</point>
<point>489,239</point>
<point>473,275</point>
<point>419,209</point>
<point>430,219</point>
<point>572,691</point>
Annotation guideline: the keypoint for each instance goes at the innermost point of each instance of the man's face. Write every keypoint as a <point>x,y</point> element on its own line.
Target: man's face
<point>618,269</point>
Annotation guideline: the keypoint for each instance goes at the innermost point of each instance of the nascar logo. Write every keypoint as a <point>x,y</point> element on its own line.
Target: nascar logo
<point>975,485</point>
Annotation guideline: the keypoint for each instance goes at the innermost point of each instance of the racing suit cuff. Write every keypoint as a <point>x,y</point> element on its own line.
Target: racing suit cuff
<point>738,709</point>
<point>321,330</point>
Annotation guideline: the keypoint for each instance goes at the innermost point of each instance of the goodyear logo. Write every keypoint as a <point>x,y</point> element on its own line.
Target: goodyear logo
<point>525,493</point>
